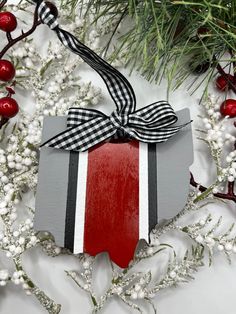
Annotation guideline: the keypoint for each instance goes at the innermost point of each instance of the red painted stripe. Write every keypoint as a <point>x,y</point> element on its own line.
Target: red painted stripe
<point>112,201</point>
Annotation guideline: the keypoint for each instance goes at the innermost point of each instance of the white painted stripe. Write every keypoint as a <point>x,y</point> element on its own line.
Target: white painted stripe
<point>143,191</point>
<point>80,203</point>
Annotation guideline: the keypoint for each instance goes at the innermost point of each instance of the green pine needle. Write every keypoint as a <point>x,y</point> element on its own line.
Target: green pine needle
<point>171,38</point>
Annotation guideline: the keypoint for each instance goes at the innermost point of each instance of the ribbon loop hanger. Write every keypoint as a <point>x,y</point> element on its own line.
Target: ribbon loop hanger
<point>87,127</point>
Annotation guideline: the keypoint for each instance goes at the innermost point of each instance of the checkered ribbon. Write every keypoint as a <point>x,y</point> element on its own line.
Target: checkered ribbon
<point>87,127</point>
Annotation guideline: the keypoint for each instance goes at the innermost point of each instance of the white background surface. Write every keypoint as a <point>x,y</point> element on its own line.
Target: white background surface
<point>212,291</point>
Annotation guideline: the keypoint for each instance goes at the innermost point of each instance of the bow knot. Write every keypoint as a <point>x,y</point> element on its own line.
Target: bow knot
<point>88,127</point>
<point>118,120</point>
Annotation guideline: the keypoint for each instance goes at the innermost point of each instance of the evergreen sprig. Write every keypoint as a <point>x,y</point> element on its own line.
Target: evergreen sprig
<point>172,38</point>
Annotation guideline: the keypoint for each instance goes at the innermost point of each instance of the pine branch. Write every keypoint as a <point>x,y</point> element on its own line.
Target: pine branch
<point>166,37</point>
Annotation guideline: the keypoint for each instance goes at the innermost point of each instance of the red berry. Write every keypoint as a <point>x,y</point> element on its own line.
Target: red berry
<point>8,107</point>
<point>7,70</point>
<point>8,22</point>
<point>228,108</point>
<point>222,83</point>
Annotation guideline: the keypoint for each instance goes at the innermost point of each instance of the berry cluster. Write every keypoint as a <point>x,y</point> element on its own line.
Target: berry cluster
<point>8,106</point>
<point>228,107</point>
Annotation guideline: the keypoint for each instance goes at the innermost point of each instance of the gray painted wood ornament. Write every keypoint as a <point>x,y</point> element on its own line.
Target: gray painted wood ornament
<point>67,223</point>
<point>98,194</point>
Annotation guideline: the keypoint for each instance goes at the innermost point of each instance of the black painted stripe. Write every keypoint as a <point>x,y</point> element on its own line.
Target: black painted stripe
<point>71,200</point>
<point>152,186</point>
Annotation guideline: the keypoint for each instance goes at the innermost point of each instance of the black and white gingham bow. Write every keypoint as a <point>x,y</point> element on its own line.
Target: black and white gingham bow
<point>87,127</point>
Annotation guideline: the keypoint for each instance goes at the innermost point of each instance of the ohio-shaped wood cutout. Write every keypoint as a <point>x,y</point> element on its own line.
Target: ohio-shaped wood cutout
<point>108,198</point>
